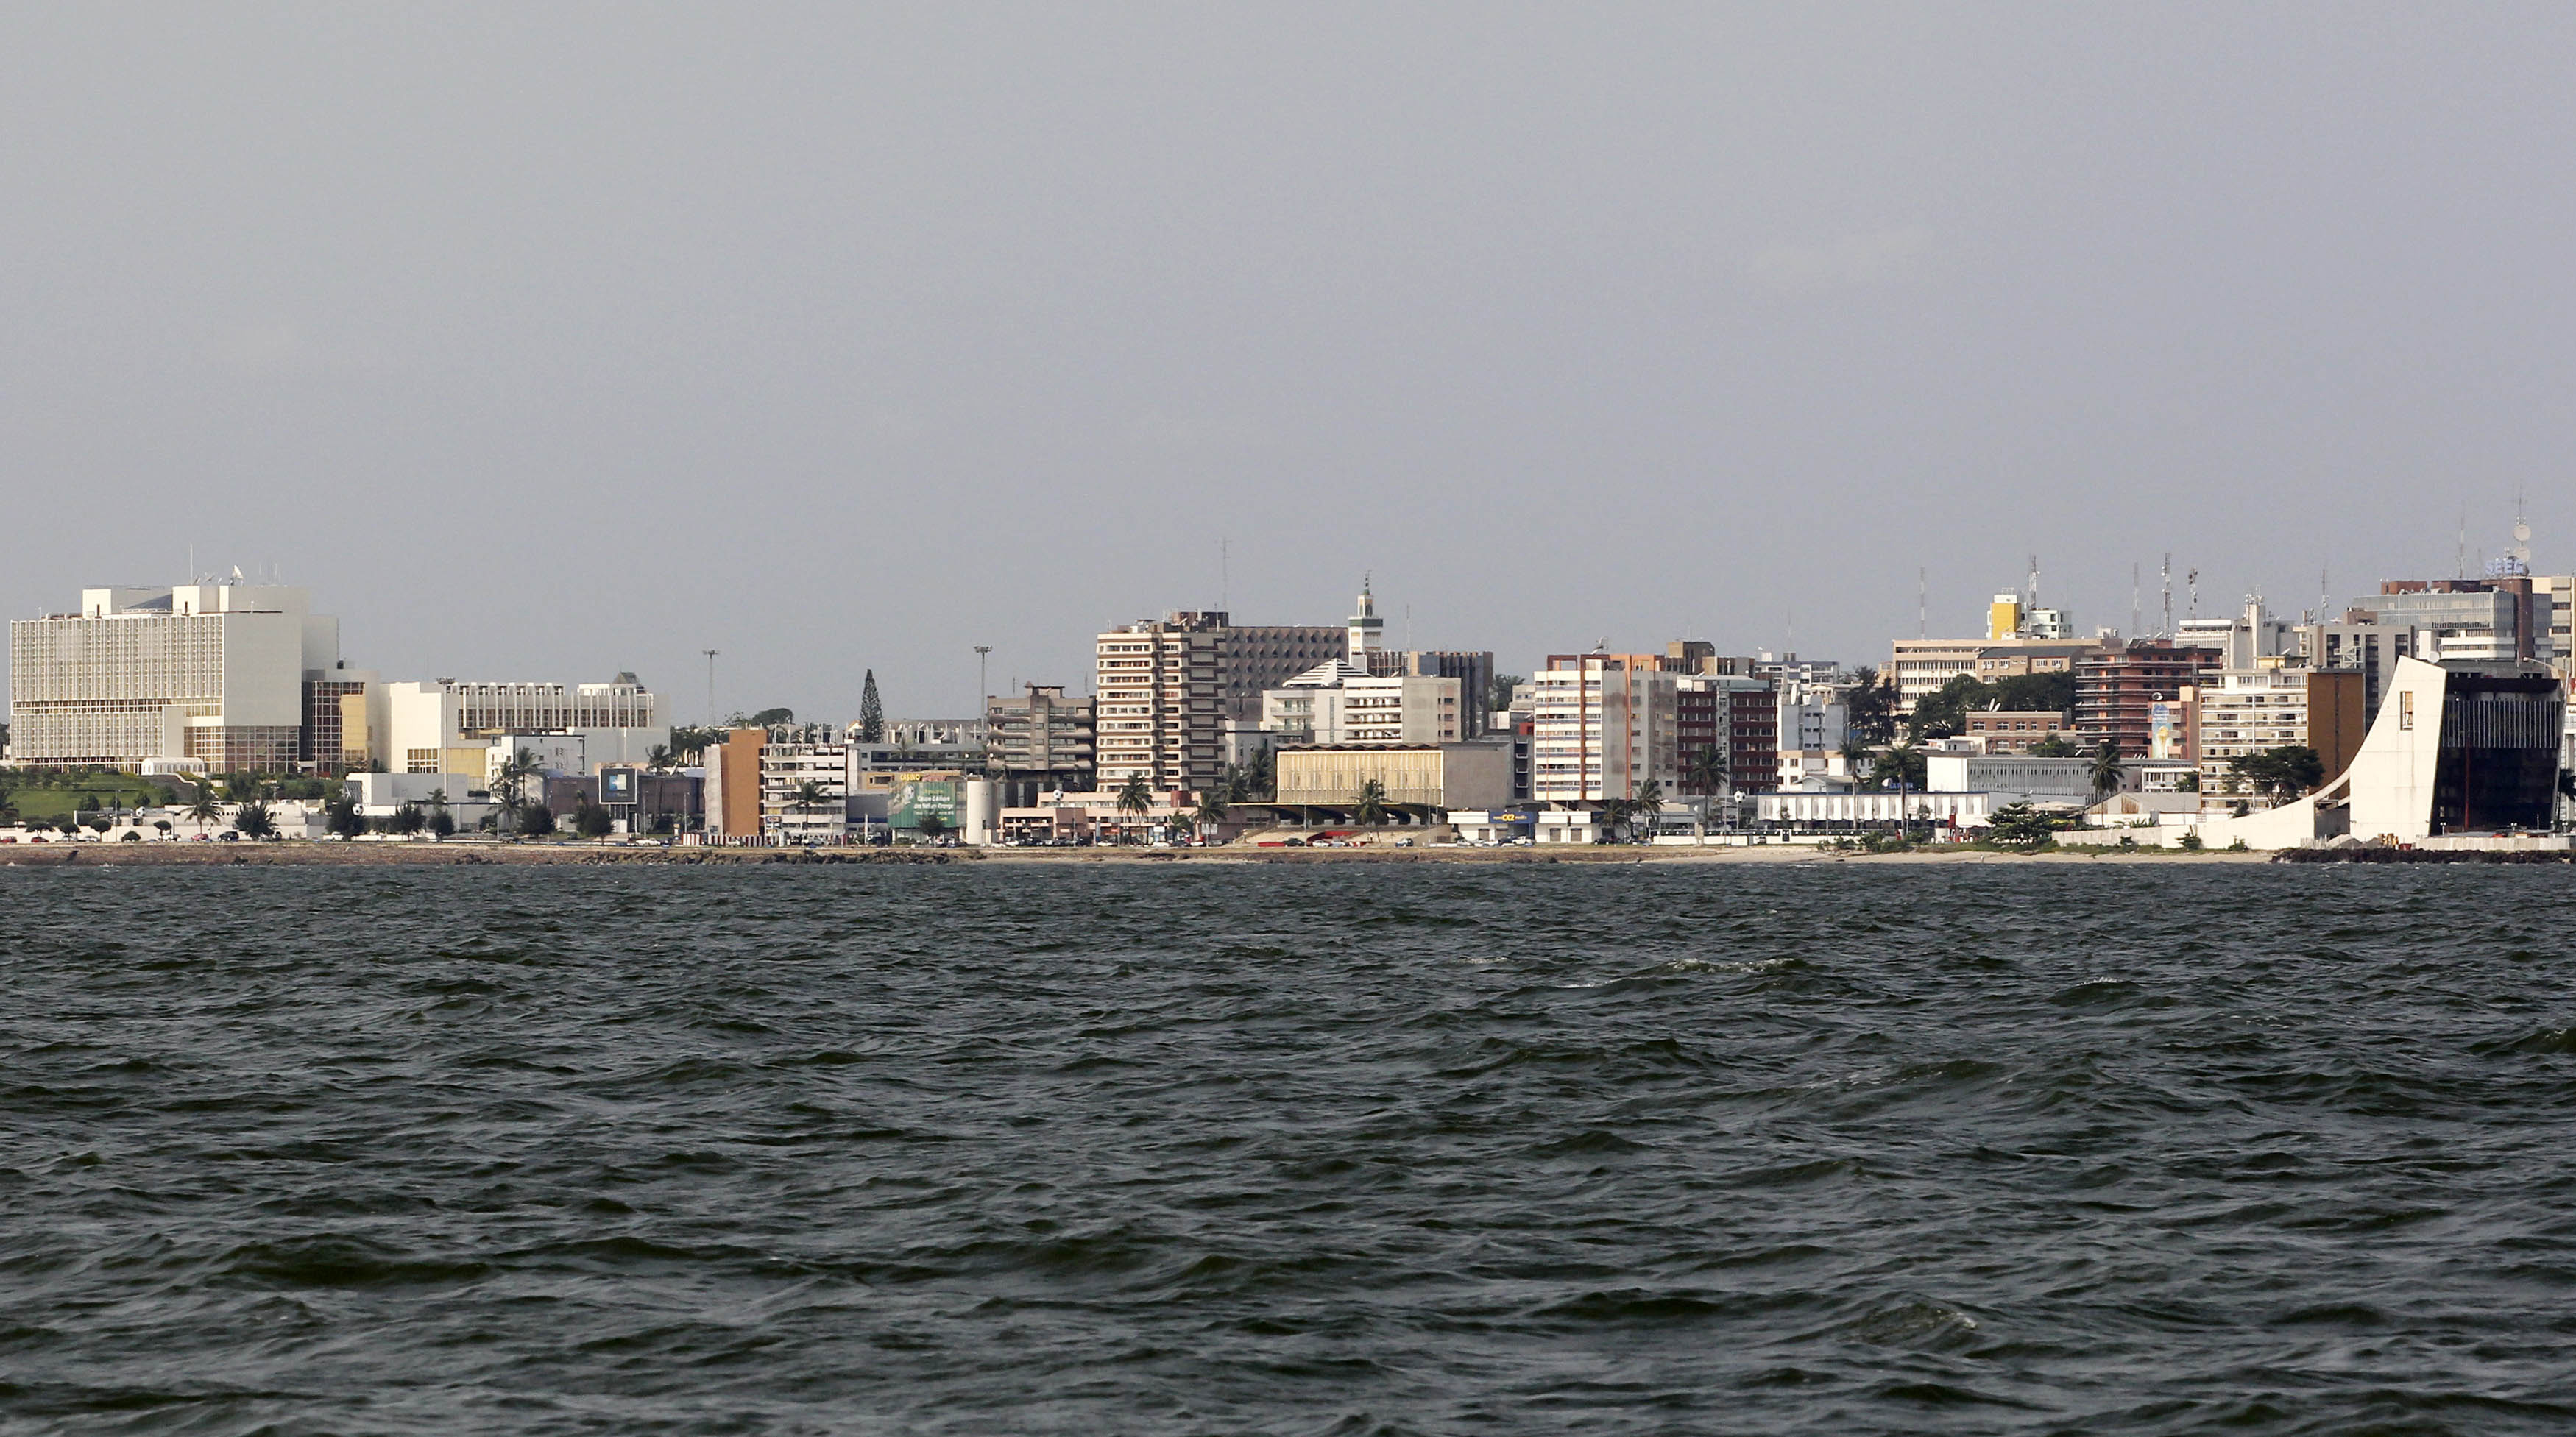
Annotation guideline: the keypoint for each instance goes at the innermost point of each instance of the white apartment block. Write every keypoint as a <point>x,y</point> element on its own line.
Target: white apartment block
<point>1338,703</point>
<point>785,770</point>
<point>1601,727</point>
<point>2246,711</point>
<point>215,674</point>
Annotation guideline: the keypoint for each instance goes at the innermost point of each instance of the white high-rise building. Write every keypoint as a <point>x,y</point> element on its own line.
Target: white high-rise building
<point>1602,725</point>
<point>214,676</point>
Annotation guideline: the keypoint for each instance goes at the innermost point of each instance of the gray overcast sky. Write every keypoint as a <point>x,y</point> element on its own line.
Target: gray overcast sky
<point>544,341</point>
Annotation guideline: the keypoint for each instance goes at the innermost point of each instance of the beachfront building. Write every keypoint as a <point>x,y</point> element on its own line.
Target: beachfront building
<point>1602,726</point>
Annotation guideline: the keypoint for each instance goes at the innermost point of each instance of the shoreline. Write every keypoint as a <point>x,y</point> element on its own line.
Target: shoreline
<point>307,853</point>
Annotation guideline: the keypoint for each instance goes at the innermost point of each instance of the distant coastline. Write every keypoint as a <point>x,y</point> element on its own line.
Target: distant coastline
<point>361,855</point>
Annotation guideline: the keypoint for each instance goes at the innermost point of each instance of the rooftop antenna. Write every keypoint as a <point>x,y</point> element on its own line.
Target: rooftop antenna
<point>2191,580</point>
<point>2325,595</point>
<point>2167,574</point>
<point>711,687</point>
<point>1225,574</point>
<point>192,562</point>
<point>2133,600</point>
<point>2460,556</point>
<point>2521,534</point>
<point>1922,604</point>
<point>2033,601</point>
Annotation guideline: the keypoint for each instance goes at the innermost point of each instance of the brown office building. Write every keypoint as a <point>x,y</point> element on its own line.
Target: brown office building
<point>2116,690</point>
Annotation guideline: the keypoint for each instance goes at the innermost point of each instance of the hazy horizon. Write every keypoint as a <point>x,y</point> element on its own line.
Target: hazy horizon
<point>552,343</point>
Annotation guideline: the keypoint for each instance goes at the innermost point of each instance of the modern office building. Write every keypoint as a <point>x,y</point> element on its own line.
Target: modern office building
<point>214,675</point>
<point>2491,620</point>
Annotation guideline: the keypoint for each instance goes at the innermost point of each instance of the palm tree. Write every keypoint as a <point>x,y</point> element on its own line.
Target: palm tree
<point>2106,769</point>
<point>1615,814</point>
<point>517,769</point>
<point>1650,804</point>
<point>205,810</point>
<point>1135,798</point>
<point>252,820</point>
<point>1368,807</point>
<point>1212,803</point>
<point>658,758</point>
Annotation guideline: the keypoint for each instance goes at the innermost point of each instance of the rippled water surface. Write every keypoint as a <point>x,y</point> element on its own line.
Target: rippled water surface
<point>1301,1150</point>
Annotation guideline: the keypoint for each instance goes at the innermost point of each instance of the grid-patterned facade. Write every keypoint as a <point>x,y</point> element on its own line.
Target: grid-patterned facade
<point>99,690</point>
<point>545,707</point>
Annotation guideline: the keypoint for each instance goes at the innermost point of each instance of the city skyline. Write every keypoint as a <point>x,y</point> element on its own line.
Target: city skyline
<point>549,342</point>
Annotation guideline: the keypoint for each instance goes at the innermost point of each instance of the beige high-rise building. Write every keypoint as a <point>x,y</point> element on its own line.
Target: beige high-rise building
<point>1164,689</point>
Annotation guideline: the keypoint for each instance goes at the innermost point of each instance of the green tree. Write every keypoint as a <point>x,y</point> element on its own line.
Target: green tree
<point>2053,746</point>
<point>1650,806</point>
<point>658,759</point>
<point>1135,799</point>
<point>932,827</point>
<point>590,820</point>
<point>1212,806</point>
<point>507,788</point>
<point>871,711</point>
<point>1498,692</point>
<point>204,811</point>
<point>2284,772</point>
<point>1368,806</point>
<point>442,824</point>
<point>253,820</point>
<point>2019,825</point>
<point>773,718</point>
<point>340,817</point>
<point>2106,769</point>
<point>408,820</point>
<point>1899,767</point>
<point>536,820</point>
<point>1869,706</point>
<point>1708,770</point>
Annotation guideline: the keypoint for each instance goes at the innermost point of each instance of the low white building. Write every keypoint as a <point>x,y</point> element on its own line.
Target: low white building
<point>1874,807</point>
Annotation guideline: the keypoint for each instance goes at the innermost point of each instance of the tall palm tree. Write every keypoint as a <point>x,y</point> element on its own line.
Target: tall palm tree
<point>1212,802</point>
<point>658,758</point>
<point>516,770</point>
<point>1135,798</point>
<point>2106,769</point>
<point>1368,806</point>
<point>1650,804</point>
<point>205,810</point>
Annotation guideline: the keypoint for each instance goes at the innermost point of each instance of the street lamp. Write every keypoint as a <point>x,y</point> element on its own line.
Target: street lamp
<point>711,687</point>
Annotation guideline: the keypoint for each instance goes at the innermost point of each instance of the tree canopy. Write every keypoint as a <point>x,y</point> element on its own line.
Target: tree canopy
<point>1944,714</point>
<point>2284,772</point>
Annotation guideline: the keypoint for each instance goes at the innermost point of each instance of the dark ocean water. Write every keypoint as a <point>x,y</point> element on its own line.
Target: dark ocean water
<point>1344,1149</point>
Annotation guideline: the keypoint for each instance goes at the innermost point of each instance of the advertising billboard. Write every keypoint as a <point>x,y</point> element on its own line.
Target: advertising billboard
<point>932,798</point>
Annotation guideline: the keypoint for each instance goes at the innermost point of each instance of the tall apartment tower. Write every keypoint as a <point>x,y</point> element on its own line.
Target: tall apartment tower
<point>1166,688</point>
<point>215,673</point>
<point>1601,726</point>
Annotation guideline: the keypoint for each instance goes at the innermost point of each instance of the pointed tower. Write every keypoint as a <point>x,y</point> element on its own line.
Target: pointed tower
<point>1365,628</point>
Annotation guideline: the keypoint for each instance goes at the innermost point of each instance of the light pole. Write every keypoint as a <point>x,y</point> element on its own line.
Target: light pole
<point>983,702</point>
<point>711,687</point>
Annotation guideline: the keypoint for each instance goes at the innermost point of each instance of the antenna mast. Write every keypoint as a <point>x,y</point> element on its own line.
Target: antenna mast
<point>1922,604</point>
<point>2191,581</point>
<point>2167,574</point>
<point>2133,600</point>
